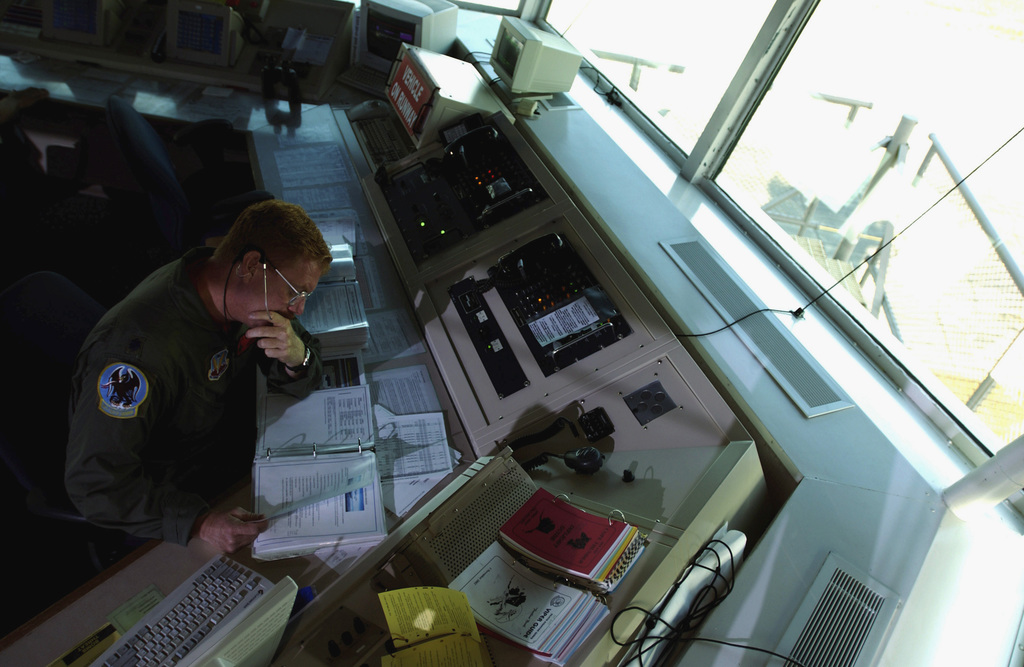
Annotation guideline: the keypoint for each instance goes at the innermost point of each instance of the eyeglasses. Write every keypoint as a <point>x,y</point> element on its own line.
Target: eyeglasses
<point>297,295</point>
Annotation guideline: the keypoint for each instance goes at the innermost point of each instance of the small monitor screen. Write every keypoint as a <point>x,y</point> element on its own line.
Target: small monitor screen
<point>94,22</point>
<point>385,35</point>
<point>203,33</point>
<point>76,15</point>
<point>200,32</point>
<point>508,50</point>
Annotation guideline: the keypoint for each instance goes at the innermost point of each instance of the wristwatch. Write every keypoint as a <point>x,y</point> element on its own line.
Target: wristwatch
<point>304,364</point>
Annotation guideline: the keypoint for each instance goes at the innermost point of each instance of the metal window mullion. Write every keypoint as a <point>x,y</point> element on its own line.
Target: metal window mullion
<point>764,58</point>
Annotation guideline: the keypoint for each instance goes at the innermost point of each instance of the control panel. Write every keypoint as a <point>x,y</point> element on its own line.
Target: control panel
<point>529,313</point>
<point>557,305</point>
<point>478,181</point>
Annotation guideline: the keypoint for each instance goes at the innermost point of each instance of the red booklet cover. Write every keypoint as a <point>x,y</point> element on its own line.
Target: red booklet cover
<point>552,530</point>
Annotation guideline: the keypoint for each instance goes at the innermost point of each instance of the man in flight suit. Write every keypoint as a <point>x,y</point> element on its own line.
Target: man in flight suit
<point>163,396</point>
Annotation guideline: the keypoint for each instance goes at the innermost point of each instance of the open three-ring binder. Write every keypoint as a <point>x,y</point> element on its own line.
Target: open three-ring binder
<point>315,474</point>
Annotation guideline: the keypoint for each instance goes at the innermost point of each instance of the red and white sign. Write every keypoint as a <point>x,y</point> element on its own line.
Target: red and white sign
<point>410,93</point>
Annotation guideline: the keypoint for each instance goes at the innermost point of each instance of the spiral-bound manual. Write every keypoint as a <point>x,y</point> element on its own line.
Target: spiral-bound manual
<point>315,473</point>
<point>550,535</point>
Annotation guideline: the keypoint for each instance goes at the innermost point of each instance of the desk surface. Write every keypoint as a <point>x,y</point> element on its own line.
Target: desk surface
<point>326,22</point>
<point>733,473</point>
<point>165,565</point>
<point>314,160</point>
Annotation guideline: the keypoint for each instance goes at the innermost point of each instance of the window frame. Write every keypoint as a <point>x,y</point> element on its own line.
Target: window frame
<point>525,8</point>
<point>764,59</point>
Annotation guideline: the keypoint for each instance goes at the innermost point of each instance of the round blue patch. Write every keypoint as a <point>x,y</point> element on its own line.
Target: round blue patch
<point>122,388</point>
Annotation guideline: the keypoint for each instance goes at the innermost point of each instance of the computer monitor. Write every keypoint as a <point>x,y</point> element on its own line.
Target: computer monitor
<point>204,33</point>
<point>533,61</point>
<point>84,21</point>
<point>384,25</point>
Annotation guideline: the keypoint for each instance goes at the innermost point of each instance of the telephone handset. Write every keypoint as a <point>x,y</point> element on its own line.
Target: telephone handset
<point>471,150</point>
<point>548,255</point>
<point>559,307</point>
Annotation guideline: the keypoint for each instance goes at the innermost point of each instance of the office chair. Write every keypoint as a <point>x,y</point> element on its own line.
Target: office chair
<point>187,212</point>
<point>45,319</point>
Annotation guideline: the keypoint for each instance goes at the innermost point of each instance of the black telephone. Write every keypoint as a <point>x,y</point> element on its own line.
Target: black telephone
<point>546,256</point>
<point>478,180</point>
<point>488,176</point>
<point>470,150</point>
<point>543,277</point>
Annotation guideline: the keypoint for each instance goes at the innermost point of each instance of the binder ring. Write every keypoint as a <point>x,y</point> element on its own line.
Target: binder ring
<point>314,450</point>
<point>616,511</point>
<point>563,496</point>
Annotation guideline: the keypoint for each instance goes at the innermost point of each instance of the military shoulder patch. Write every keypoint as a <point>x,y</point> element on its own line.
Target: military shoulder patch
<point>219,363</point>
<point>122,388</point>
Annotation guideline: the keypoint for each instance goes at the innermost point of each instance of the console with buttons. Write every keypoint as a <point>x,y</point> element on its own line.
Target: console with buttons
<point>346,638</point>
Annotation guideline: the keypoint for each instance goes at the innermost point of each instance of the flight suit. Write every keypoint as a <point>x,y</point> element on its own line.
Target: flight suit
<point>163,408</point>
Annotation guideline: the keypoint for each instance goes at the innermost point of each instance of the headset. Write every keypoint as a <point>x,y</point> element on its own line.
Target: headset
<point>586,460</point>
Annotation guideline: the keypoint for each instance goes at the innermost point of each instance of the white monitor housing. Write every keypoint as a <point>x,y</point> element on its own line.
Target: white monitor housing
<point>92,22</point>
<point>431,91</point>
<point>532,61</point>
<point>382,26</point>
<point>204,33</point>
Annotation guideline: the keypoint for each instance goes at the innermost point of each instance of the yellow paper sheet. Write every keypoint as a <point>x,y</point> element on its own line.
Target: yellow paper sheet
<point>431,627</point>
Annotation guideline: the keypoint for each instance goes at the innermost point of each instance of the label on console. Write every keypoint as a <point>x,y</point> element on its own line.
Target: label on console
<point>569,319</point>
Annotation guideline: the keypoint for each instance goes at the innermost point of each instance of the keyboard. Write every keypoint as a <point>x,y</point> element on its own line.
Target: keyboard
<point>382,140</point>
<point>216,597</point>
<point>367,79</point>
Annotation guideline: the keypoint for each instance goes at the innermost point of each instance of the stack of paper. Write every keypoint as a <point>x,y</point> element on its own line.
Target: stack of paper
<point>335,314</point>
<point>551,535</point>
<point>514,603</point>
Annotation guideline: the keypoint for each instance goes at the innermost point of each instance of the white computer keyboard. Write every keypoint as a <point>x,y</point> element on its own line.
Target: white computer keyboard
<point>367,79</point>
<point>211,599</point>
<point>380,140</point>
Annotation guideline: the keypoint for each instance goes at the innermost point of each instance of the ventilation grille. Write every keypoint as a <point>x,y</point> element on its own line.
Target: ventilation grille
<point>799,375</point>
<point>843,620</point>
<point>476,523</point>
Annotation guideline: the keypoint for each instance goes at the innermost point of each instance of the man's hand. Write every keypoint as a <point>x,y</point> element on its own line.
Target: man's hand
<point>18,100</point>
<point>229,531</point>
<point>276,336</point>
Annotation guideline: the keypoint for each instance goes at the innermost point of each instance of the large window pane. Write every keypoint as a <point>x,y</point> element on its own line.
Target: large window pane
<point>485,5</point>
<point>819,161</point>
<point>672,58</point>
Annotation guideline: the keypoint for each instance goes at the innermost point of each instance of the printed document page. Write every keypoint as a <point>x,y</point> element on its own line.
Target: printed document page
<point>326,419</point>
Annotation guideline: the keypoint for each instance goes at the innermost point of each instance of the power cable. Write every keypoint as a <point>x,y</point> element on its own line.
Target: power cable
<point>799,312</point>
